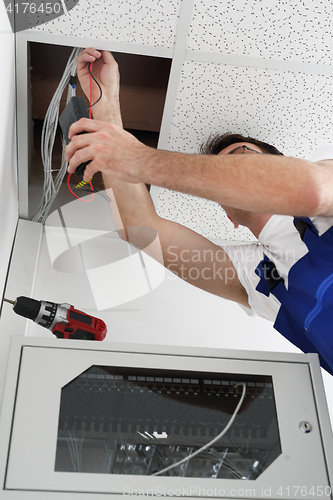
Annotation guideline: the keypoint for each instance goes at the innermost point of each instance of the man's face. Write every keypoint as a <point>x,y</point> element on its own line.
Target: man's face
<point>238,217</point>
<point>237,149</point>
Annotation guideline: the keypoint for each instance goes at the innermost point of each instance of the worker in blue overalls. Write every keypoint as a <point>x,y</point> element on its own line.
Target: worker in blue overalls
<point>287,203</point>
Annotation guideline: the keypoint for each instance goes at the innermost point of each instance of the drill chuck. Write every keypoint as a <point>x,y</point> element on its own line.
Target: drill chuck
<point>42,312</point>
<point>29,308</point>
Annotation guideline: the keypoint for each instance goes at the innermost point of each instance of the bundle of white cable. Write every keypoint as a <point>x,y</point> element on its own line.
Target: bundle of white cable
<point>52,184</point>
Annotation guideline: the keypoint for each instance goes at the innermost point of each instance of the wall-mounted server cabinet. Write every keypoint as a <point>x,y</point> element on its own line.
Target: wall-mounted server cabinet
<point>93,419</point>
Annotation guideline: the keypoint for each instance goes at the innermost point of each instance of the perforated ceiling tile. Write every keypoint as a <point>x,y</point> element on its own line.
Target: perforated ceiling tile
<point>291,29</point>
<point>152,22</point>
<point>203,216</point>
<point>293,111</point>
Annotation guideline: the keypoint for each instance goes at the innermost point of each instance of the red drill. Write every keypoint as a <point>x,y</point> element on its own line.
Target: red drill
<point>63,320</point>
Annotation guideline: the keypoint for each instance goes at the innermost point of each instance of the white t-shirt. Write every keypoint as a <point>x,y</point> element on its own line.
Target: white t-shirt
<point>280,241</point>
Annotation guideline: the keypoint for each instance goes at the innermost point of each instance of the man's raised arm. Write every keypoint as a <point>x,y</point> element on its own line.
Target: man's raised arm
<point>186,253</point>
<point>131,198</point>
<point>265,183</point>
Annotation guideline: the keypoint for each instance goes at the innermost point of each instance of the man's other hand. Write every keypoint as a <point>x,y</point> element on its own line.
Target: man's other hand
<point>105,70</point>
<point>111,150</point>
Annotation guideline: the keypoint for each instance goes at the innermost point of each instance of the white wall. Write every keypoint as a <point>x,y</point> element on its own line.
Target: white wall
<point>8,166</point>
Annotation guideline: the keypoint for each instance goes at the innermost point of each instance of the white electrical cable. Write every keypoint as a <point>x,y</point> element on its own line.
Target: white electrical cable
<point>51,184</point>
<point>213,440</point>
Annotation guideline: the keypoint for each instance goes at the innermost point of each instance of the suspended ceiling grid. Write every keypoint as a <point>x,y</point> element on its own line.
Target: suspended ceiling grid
<point>259,67</point>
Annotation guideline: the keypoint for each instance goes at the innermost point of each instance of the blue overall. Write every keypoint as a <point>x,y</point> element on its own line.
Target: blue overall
<point>305,316</point>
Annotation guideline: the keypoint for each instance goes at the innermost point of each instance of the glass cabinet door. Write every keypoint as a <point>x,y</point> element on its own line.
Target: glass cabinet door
<point>116,420</point>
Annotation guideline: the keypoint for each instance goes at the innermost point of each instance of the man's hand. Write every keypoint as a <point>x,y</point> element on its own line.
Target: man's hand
<point>112,151</point>
<point>105,70</point>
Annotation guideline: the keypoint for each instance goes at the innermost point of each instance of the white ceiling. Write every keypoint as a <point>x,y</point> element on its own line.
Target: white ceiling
<point>295,30</point>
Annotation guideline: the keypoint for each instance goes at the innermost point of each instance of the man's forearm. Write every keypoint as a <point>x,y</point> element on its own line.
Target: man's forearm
<point>108,110</point>
<point>131,204</point>
<point>258,183</point>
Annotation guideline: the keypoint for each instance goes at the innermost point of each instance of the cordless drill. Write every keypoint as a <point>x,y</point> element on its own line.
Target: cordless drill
<point>63,320</point>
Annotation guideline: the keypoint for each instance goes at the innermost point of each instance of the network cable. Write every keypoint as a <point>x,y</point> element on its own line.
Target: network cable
<point>52,184</point>
<point>217,438</point>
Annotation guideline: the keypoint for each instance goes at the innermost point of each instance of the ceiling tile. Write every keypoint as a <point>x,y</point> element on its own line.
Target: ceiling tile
<point>290,30</point>
<point>123,21</point>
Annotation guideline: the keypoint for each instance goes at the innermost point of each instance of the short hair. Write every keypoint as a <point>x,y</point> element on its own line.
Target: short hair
<point>216,143</point>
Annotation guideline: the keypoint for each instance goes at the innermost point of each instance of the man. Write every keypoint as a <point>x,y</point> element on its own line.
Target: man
<point>249,179</point>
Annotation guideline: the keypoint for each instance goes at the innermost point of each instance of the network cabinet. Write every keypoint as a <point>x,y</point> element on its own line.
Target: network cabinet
<point>139,420</point>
